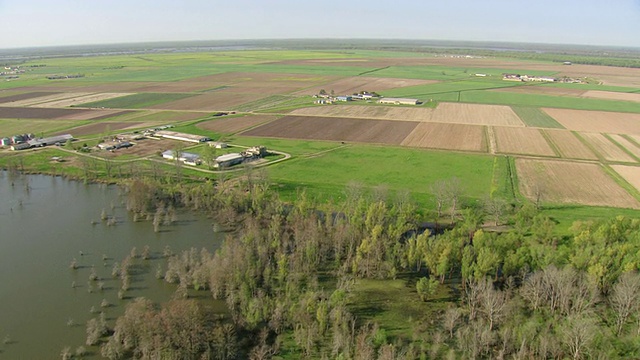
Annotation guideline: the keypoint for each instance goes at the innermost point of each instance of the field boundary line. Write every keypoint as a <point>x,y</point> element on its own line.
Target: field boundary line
<point>621,147</point>
<point>491,140</point>
<point>620,180</point>
<point>374,70</point>
<point>552,144</point>
<point>587,144</point>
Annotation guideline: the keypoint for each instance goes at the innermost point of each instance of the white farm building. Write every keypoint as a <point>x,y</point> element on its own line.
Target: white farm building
<point>182,136</point>
<point>398,101</point>
<point>185,157</point>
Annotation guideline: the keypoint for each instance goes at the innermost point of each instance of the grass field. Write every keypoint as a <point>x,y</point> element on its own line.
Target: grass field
<point>10,127</point>
<point>137,101</point>
<point>327,174</point>
<point>536,118</point>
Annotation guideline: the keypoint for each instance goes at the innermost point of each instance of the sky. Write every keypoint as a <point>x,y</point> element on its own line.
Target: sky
<point>29,23</point>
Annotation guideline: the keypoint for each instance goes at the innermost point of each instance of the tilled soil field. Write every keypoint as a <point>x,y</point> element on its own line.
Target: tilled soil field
<point>608,150</point>
<point>233,125</point>
<point>571,182</point>
<point>526,141</point>
<point>336,129</point>
<point>475,114</point>
<point>570,146</point>
<point>596,121</point>
<point>448,137</point>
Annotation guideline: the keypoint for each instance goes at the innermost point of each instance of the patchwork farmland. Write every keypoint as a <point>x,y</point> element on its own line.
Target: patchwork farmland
<point>607,149</point>
<point>336,129</point>
<point>571,183</point>
<point>569,145</point>
<point>596,121</point>
<point>234,124</point>
<point>369,112</point>
<point>447,136</point>
<point>525,141</point>
<point>475,114</point>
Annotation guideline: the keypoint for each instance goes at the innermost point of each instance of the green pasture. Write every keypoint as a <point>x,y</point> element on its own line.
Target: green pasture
<point>536,118</point>
<point>436,72</point>
<point>429,90</point>
<point>327,174</point>
<point>137,101</point>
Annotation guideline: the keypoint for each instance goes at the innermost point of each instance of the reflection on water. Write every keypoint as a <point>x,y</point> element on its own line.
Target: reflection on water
<point>45,223</point>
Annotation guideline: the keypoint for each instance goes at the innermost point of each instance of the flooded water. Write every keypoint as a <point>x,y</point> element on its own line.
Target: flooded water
<point>46,222</point>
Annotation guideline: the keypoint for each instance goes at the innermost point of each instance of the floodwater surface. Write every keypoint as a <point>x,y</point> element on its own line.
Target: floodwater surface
<point>46,222</point>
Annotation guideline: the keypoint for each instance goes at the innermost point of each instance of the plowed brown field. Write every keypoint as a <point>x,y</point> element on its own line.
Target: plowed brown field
<point>233,125</point>
<point>80,100</point>
<point>610,95</point>
<point>447,136</point>
<point>101,127</point>
<point>608,150</point>
<point>527,141</point>
<point>45,113</point>
<point>48,98</point>
<point>630,173</point>
<point>215,101</point>
<point>369,112</point>
<point>570,146</point>
<point>569,182</point>
<point>596,121</point>
<point>355,84</point>
<point>336,129</point>
<point>24,96</point>
<point>628,145</point>
<point>475,114</point>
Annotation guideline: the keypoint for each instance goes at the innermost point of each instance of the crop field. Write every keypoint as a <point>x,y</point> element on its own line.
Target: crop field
<point>628,145</point>
<point>10,127</point>
<point>102,127</point>
<point>352,85</point>
<point>30,101</point>
<point>535,117</point>
<point>45,113</point>
<point>76,101</point>
<point>608,150</point>
<point>24,96</point>
<point>215,101</point>
<point>447,136</point>
<point>336,129</point>
<point>159,117</point>
<point>369,112</point>
<point>526,141</point>
<point>597,121</point>
<point>234,124</point>
<point>475,114</point>
<point>612,95</point>
<point>137,101</point>
<point>572,183</point>
<point>542,90</point>
<point>570,146</point>
<point>630,174</point>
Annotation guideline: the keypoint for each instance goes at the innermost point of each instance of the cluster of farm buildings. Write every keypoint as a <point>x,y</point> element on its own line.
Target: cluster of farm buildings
<point>528,78</point>
<point>325,99</point>
<point>27,141</point>
<point>220,162</point>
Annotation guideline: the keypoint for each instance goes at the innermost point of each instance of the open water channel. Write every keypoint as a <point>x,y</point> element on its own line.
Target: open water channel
<point>46,222</point>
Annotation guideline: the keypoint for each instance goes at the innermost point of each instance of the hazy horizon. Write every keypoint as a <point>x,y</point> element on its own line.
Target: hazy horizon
<point>38,23</point>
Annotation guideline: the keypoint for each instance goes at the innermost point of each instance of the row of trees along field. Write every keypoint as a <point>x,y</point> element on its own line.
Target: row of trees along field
<point>287,272</point>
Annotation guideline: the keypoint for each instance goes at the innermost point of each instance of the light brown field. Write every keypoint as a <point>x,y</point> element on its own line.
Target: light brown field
<point>80,100</point>
<point>447,136</point>
<point>368,112</point>
<point>596,121</point>
<point>233,125</point>
<point>630,173</point>
<point>628,145</point>
<point>8,97</point>
<point>571,182</point>
<point>541,90</point>
<point>48,98</point>
<point>569,145</point>
<point>355,84</point>
<point>611,95</point>
<point>608,150</point>
<point>527,141</point>
<point>475,114</point>
<point>214,101</point>
<point>335,129</point>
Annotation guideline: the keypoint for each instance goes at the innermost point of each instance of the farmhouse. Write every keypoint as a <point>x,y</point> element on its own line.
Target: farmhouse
<point>185,157</point>
<point>398,101</point>
<point>53,140</point>
<point>228,160</point>
<point>182,136</point>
